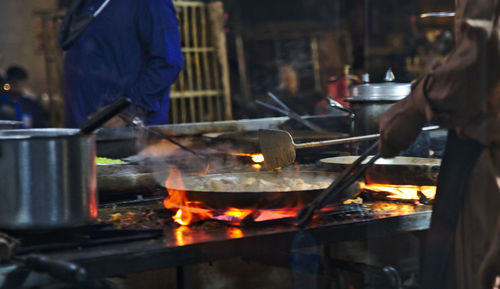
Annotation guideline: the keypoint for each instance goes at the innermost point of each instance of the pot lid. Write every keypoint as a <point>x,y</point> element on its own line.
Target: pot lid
<point>387,91</point>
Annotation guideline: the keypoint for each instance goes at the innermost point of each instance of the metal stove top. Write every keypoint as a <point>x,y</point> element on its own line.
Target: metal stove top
<point>103,251</point>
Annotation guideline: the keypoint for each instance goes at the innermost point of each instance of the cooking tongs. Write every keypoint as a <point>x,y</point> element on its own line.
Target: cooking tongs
<point>290,113</point>
<point>345,180</point>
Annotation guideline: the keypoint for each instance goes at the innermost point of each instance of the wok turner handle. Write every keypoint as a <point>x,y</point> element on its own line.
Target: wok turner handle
<point>104,115</point>
<point>350,139</point>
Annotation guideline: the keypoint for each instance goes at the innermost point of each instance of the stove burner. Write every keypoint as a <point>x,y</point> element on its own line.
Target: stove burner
<point>274,216</point>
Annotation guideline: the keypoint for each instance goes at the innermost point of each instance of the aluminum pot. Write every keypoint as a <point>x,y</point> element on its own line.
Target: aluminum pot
<point>49,175</point>
<point>48,179</point>
<point>370,101</point>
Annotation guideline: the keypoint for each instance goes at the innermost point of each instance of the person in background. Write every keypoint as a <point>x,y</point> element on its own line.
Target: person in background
<point>462,94</point>
<point>14,105</point>
<point>130,49</point>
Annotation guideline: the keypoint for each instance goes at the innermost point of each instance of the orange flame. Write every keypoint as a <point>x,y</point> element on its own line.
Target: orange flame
<point>256,158</point>
<point>187,211</point>
<point>238,213</point>
<point>257,167</point>
<point>402,192</point>
<point>234,233</point>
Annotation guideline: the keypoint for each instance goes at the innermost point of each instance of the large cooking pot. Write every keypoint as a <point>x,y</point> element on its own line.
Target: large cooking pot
<point>48,178</point>
<point>49,175</point>
<point>370,101</point>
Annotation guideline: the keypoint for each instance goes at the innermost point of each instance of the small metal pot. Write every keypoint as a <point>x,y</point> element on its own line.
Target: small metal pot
<point>48,179</point>
<point>370,101</point>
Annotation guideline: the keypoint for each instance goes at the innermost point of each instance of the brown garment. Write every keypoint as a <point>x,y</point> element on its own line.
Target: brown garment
<point>463,93</point>
<point>476,224</point>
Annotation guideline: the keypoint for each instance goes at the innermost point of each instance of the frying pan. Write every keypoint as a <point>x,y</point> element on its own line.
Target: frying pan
<point>397,171</point>
<point>264,199</point>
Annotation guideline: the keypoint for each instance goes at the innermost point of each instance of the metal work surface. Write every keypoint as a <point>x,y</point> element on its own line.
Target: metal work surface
<point>211,241</point>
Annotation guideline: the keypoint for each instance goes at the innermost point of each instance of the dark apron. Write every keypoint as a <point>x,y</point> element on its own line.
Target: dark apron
<point>438,260</point>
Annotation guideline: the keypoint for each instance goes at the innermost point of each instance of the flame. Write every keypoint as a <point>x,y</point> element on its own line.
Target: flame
<point>256,158</point>
<point>183,219</point>
<point>238,213</point>
<point>257,167</point>
<point>402,192</point>
<point>234,233</point>
<point>187,211</point>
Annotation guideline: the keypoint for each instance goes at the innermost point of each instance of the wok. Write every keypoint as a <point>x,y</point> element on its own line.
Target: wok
<point>262,199</point>
<point>397,171</point>
<point>119,179</point>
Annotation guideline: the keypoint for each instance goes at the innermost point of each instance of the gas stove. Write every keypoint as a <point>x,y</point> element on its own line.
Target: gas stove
<point>103,251</point>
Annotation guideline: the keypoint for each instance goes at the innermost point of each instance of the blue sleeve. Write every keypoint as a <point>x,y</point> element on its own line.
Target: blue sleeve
<point>159,36</point>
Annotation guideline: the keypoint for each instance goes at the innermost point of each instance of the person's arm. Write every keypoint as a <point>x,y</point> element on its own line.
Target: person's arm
<point>159,35</point>
<point>452,94</point>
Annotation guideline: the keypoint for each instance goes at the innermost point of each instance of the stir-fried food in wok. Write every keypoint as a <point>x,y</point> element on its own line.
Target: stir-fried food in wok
<point>261,184</point>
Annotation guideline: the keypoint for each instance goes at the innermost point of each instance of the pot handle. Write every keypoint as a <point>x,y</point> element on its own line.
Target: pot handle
<point>104,115</point>
<point>59,269</point>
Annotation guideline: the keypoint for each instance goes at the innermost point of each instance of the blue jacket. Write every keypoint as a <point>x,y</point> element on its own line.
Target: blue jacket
<point>131,49</point>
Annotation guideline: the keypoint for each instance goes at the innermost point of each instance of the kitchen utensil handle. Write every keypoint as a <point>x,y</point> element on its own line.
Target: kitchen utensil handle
<point>271,107</point>
<point>59,269</point>
<point>350,139</point>
<point>346,178</point>
<point>278,101</point>
<point>104,115</point>
<point>337,141</point>
<point>294,115</point>
<point>137,122</point>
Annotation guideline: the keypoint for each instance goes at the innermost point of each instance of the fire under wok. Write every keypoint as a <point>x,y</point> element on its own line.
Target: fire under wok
<point>262,190</point>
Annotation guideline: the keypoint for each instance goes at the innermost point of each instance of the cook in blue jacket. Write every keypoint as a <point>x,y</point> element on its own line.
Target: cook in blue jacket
<point>132,49</point>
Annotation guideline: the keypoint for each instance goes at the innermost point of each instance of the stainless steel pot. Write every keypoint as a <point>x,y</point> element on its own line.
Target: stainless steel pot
<point>370,101</point>
<point>48,176</point>
<point>48,179</point>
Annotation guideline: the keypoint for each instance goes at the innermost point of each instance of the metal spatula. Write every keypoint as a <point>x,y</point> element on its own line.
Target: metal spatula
<point>278,147</point>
